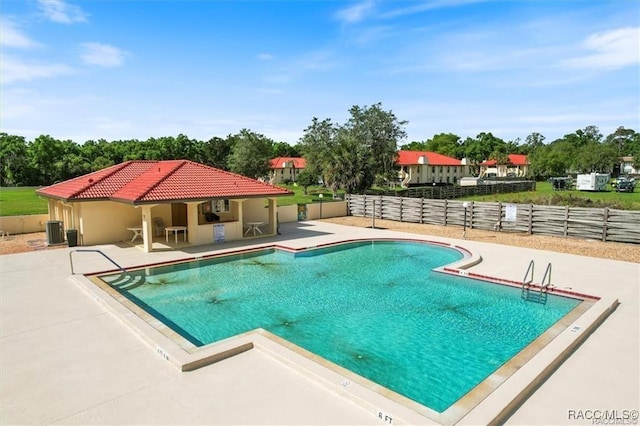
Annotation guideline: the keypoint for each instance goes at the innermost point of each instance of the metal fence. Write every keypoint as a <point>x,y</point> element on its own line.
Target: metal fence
<point>450,192</point>
<point>603,224</point>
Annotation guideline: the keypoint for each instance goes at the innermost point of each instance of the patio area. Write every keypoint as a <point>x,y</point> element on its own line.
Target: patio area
<point>65,358</point>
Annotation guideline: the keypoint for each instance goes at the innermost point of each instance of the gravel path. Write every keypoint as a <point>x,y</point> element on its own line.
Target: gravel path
<point>582,247</point>
<point>616,251</point>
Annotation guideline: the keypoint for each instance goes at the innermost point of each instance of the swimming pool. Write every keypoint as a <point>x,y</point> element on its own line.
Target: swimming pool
<point>375,308</point>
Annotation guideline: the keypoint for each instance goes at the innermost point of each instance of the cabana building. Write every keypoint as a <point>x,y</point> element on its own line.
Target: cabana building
<point>163,203</point>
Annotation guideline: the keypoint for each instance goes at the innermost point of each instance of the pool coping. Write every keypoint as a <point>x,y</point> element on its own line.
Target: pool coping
<point>507,391</point>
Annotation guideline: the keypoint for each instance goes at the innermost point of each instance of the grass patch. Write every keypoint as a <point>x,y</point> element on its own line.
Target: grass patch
<point>20,201</point>
<point>313,195</point>
<point>24,201</point>
<point>545,195</point>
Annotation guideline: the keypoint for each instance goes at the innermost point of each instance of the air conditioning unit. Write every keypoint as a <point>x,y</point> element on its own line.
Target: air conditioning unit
<point>54,232</point>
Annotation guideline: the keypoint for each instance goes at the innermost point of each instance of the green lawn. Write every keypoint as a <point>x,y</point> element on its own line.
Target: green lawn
<point>545,195</point>
<point>21,201</point>
<point>300,198</point>
<point>24,201</point>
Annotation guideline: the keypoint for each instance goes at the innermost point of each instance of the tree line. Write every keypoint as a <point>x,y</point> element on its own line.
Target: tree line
<point>583,151</point>
<point>351,156</point>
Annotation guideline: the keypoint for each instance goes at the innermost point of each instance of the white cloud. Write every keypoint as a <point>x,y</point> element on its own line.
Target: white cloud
<point>426,6</point>
<point>61,12</point>
<point>103,55</point>
<point>14,69</point>
<point>355,13</point>
<point>297,68</point>
<point>611,50</point>
<point>265,56</point>
<point>11,36</point>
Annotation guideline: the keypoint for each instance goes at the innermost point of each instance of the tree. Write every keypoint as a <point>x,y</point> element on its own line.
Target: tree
<point>251,154</point>
<point>481,148</point>
<point>46,156</point>
<point>306,179</point>
<point>283,149</point>
<point>349,165</point>
<point>14,160</point>
<point>625,141</point>
<point>216,152</point>
<point>316,143</point>
<point>414,146</point>
<point>546,161</point>
<point>596,157</point>
<point>534,141</point>
<point>379,133</point>
<point>448,144</point>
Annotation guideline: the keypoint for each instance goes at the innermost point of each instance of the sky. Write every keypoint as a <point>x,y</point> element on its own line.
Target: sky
<point>135,69</point>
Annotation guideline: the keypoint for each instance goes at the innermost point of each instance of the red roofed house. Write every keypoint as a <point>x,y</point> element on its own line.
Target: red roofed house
<point>154,198</point>
<point>425,167</point>
<point>285,169</point>
<point>518,166</point>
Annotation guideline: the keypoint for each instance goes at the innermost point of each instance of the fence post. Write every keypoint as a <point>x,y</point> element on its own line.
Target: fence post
<point>605,219</point>
<point>445,212</point>
<point>364,205</point>
<point>530,219</point>
<point>566,221</point>
<point>421,208</point>
<point>373,215</point>
<point>400,209</point>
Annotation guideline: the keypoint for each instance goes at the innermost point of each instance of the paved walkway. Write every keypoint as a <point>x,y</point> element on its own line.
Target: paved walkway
<point>66,360</point>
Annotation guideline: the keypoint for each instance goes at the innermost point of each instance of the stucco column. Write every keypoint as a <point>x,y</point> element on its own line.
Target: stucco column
<point>192,221</point>
<point>272,215</point>
<point>147,228</point>
<point>241,213</point>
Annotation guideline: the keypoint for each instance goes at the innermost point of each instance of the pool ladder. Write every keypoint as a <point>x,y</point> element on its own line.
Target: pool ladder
<point>541,295</point>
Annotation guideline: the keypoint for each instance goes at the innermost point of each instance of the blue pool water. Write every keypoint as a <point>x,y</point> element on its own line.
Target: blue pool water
<point>375,308</point>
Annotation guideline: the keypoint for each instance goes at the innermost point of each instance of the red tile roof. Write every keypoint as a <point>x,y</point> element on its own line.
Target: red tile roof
<point>407,158</point>
<point>514,159</point>
<point>298,162</point>
<point>140,182</point>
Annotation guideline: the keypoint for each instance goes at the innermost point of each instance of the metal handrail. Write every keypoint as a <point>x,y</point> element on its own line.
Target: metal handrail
<point>96,251</point>
<point>547,271</point>
<point>526,274</point>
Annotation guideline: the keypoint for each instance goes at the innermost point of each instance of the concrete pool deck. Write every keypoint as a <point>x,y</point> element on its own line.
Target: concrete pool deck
<point>65,359</point>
